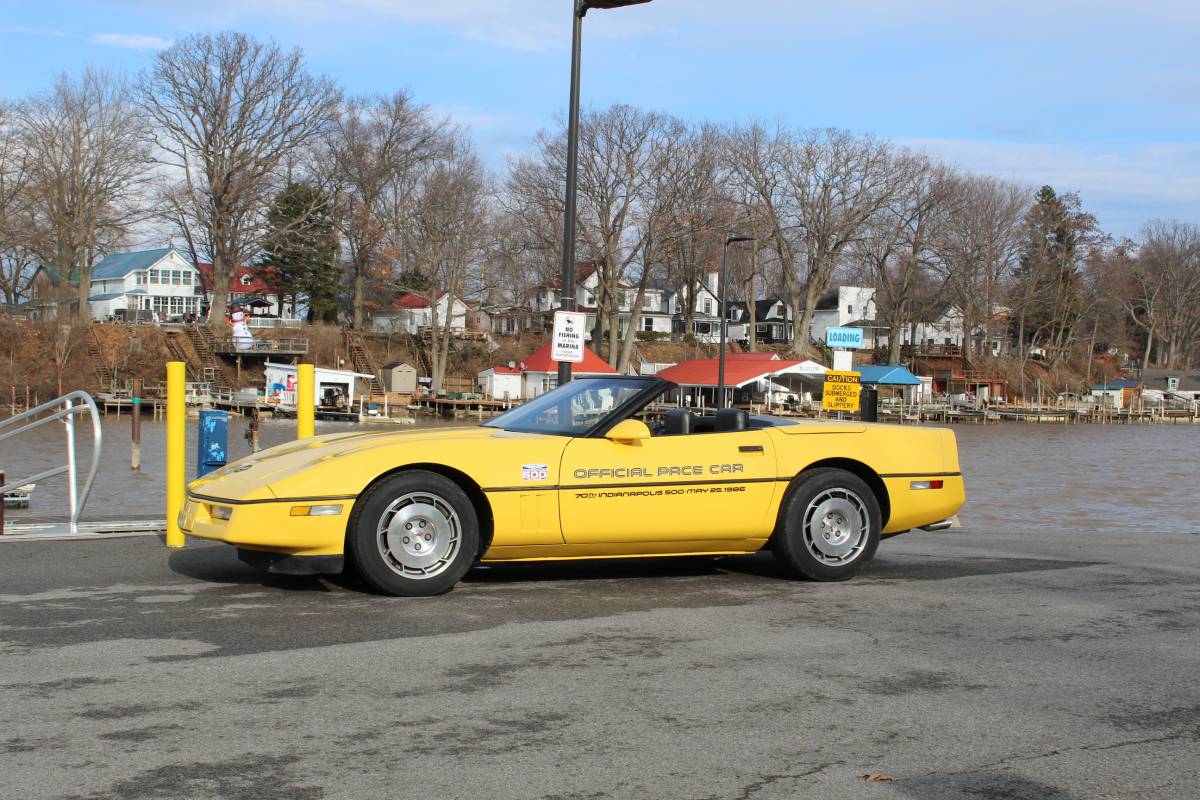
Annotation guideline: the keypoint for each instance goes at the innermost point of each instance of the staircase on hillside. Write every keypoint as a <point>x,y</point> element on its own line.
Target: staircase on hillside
<point>363,362</point>
<point>104,374</point>
<point>212,369</point>
<point>177,347</point>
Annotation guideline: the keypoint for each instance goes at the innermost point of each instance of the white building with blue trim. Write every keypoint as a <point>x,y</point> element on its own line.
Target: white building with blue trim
<point>156,281</point>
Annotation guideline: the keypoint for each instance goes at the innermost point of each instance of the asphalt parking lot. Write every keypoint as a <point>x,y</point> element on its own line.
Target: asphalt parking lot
<point>964,664</point>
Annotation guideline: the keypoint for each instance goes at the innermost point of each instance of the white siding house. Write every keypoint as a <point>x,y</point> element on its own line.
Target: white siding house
<point>844,305</point>
<point>410,313</point>
<point>160,281</point>
<point>653,317</point>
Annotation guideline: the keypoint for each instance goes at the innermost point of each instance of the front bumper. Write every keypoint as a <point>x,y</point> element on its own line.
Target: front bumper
<point>267,526</point>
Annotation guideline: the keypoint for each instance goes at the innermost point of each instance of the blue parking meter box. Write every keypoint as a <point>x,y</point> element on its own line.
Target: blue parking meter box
<point>213,441</point>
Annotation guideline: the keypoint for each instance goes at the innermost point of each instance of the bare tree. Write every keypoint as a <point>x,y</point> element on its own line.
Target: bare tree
<point>229,110</point>
<point>896,249</point>
<point>445,238</point>
<point>1167,303</point>
<point>373,152</point>
<point>17,261</point>
<point>86,162</point>
<point>829,183</point>
<point>977,244</point>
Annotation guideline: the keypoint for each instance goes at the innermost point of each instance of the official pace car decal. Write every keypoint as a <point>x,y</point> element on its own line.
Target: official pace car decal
<point>534,472</point>
<point>688,470</point>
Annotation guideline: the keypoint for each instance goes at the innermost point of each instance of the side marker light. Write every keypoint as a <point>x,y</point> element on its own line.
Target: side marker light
<point>316,511</point>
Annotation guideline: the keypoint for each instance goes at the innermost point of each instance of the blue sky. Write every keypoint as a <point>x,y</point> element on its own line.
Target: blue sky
<point>1096,96</point>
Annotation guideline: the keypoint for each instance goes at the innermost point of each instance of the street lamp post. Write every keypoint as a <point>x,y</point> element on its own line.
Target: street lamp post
<point>724,312</point>
<point>567,302</point>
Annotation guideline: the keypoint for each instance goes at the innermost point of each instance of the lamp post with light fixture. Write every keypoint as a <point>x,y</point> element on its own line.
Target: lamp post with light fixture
<point>567,302</point>
<point>725,315</point>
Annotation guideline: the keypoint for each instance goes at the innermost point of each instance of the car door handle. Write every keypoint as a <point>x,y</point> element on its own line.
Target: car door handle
<point>750,448</point>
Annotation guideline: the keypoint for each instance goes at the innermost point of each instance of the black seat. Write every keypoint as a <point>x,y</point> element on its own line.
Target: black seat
<point>731,419</point>
<point>677,421</point>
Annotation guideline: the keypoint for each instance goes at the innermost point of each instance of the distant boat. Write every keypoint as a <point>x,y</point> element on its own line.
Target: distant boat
<point>20,496</point>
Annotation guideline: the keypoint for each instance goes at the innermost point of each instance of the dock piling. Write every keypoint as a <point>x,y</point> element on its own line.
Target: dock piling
<point>305,402</point>
<point>176,446</point>
<point>135,450</point>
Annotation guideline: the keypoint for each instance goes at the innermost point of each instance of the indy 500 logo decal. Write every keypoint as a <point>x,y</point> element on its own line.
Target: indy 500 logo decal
<point>533,472</point>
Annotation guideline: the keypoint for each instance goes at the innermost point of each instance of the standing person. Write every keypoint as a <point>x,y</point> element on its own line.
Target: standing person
<point>242,338</point>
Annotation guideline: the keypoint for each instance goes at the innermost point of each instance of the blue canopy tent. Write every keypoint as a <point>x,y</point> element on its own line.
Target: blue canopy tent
<point>887,375</point>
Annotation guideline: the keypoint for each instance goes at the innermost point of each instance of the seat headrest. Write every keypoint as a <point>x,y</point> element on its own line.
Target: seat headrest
<point>677,421</point>
<point>731,419</point>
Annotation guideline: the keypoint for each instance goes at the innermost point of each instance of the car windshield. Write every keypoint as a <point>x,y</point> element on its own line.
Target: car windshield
<point>573,409</point>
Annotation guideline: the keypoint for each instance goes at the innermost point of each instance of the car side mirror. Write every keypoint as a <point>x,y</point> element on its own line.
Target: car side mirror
<point>628,431</point>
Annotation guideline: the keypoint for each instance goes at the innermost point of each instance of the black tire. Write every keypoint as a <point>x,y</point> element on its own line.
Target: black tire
<point>414,534</point>
<point>828,526</point>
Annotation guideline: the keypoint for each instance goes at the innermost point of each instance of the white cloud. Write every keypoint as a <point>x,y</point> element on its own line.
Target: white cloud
<point>133,41</point>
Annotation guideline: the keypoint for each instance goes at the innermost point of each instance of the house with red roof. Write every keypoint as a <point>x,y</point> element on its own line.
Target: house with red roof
<point>409,313</point>
<point>538,374</point>
<point>253,289</point>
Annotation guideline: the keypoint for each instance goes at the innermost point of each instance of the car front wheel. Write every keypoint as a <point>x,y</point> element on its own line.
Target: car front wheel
<point>414,534</point>
<point>829,526</point>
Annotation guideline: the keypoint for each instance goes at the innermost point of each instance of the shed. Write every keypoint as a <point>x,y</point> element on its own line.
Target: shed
<point>332,386</point>
<point>401,377</point>
<point>501,382</point>
<point>1119,393</point>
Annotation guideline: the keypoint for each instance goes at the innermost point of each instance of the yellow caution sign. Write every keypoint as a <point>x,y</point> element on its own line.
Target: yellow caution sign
<point>840,392</point>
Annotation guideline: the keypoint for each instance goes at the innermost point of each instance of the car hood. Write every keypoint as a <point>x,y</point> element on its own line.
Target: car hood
<point>255,477</point>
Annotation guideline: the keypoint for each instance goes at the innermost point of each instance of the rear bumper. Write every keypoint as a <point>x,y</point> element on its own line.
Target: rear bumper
<point>267,526</point>
<point>916,508</point>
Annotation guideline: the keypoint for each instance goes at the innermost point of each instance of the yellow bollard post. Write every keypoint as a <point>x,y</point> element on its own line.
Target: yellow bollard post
<point>306,393</point>
<point>176,448</point>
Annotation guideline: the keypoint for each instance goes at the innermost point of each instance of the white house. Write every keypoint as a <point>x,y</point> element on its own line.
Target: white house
<point>706,315</point>
<point>157,281</point>
<point>411,312</point>
<point>501,382</point>
<point>850,306</point>
<point>654,315</point>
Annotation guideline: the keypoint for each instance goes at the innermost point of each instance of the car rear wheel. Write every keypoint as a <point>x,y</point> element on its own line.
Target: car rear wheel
<point>414,534</point>
<point>828,527</point>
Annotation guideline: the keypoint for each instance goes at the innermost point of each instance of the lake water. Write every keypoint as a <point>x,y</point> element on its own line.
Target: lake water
<point>1040,478</point>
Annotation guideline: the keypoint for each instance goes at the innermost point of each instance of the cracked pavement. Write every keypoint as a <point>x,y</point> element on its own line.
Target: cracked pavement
<point>964,664</point>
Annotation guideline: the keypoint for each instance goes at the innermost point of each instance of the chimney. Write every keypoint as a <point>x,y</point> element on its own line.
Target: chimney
<point>713,282</point>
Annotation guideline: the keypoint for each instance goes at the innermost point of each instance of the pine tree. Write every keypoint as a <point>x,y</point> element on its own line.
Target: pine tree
<point>301,256</point>
<point>1047,290</point>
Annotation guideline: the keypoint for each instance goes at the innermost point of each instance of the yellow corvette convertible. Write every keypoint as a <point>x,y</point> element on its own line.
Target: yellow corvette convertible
<point>575,474</point>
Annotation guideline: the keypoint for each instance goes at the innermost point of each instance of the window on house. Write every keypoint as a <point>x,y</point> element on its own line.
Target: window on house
<point>850,311</point>
<point>949,340</point>
<point>1172,382</point>
<point>153,276</point>
<point>648,302</point>
<point>245,280</point>
<point>647,324</point>
<point>141,278</point>
<point>707,306</point>
<point>703,327</point>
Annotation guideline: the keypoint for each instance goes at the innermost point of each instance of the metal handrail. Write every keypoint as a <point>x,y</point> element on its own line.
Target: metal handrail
<point>75,500</point>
